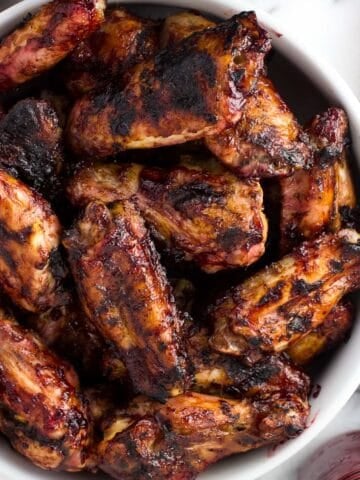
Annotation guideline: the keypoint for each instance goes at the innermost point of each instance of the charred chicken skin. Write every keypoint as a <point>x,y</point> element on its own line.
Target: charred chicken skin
<point>267,141</point>
<point>188,91</point>
<point>124,292</point>
<point>328,335</point>
<point>179,439</point>
<point>43,41</point>
<point>42,412</point>
<point>31,268</point>
<point>208,216</point>
<point>284,302</point>
<point>312,200</point>
<point>121,42</point>
<point>30,145</point>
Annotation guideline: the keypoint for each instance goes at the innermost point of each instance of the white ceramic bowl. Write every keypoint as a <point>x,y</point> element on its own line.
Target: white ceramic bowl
<point>341,376</point>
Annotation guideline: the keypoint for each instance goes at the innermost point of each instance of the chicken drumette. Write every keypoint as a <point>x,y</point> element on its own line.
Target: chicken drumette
<point>124,292</point>
<point>31,267</point>
<point>311,201</point>
<point>195,88</point>
<point>200,212</point>
<point>41,410</point>
<point>53,32</point>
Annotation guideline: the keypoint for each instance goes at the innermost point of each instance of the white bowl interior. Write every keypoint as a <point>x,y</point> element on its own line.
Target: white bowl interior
<point>309,85</point>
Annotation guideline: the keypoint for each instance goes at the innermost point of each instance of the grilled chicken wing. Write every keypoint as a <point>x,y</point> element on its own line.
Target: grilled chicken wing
<point>284,302</point>
<point>181,25</point>
<point>312,200</point>
<point>41,412</point>
<point>179,439</point>
<point>209,216</point>
<point>218,374</point>
<point>53,32</point>
<point>193,89</point>
<point>72,336</point>
<point>267,141</point>
<point>31,268</point>
<point>124,292</point>
<point>121,42</point>
<point>328,335</point>
<point>30,145</point>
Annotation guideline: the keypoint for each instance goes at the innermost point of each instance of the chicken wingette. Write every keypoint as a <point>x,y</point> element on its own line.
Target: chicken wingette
<point>287,300</point>
<point>44,40</point>
<point>42,412</point>
<point>328,335</point>
<point>124,292</point>
<point>311,201</point>
<point>30,145</point>
<point>31,267</point>
<point>122,41</point>
<point>195,88</point>
<point>267,141</point>
<point>181,438</point>
<point>202,214</point>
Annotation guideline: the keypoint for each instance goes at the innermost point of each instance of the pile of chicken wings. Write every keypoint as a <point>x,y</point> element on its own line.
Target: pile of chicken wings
<point>175,248</point>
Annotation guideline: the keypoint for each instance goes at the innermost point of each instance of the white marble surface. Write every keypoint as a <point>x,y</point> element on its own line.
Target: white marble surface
<point>332,28</point>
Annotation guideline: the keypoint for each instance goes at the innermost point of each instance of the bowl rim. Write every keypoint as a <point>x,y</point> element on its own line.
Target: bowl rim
<point>328,81</point>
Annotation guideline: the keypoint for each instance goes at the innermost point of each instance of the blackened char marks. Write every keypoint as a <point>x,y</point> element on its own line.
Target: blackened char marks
<point>299,323</point>
<point>197,192</point>
<point>301,287</point>
<point>185,76</point>
<point>273,295</point>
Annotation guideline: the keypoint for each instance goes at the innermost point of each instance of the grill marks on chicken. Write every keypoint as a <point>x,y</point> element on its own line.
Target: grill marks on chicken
<point>312,200</point>
<point>41,412</point>
<point>42,42</point>
<point>193,89</point>
<point>218,374</point>
<point>202,214</point>
<point>30,145</point>
<point>124,292</point>
<point>31,268</point>
<point>284,302</point>
<point>121,42</point>
<point>191,431</point>
<point>328,335</point>
<point>267,141</point>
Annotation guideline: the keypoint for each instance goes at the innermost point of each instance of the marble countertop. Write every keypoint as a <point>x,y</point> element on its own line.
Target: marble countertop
<point>331,27</point>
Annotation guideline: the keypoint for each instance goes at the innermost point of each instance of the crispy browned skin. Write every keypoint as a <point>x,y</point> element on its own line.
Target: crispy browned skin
<point>44,40</point>
<point>30,145</point>
<point>31,268</point>
<point>41,412</point>
<point>267,141</point>
<point>327,336</point>
<point>312,200</point>
<point>72,336</point>
<point>180,439</point>
<point>284,302</point>
<point>218,374</point>
<point>121,42</point>
<point>208,216</point>
<point>181,25</point>
<point>125,293</point>
<point>193,89</point>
